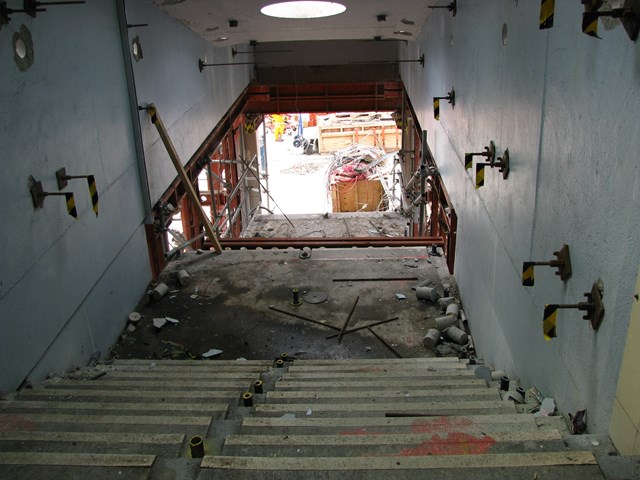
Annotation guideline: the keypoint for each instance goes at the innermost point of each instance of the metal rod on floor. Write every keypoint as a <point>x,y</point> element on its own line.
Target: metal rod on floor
<point>363,327</point>
<point>374,279</point>
<point>302,318</point>
<point>385,343</point>
<point>346,322</point>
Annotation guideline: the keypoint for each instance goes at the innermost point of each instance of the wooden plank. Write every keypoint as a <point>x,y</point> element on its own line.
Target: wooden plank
<point>90,437</point>
<point>119,406</point>
<point>184,178</point>
<point>494,461</point>
<point>76,459</point>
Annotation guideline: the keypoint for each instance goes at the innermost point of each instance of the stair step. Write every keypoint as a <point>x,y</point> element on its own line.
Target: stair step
<point>374,368</point>
<point>436,361</point>
<point>71,466</point>
<point>406,396</point>
<point>416,375</point>
<point>191,363</point>
<point>471,424</point>
<point>91,442</point>
<point>179,374</point>
<point>157,384</point>
<point>190,425</point>
<point>193,368</point>
<point>379,409</point>
<point>124,408</point>
<point>547,465</point>
<point>402,445</point>
<point>380,384</point>
<point>147,395</point>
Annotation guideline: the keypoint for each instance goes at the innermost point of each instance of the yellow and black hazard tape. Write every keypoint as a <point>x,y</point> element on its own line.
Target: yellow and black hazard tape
<point>93,191</point>
<point>479,175</point>
<point>590,24</point>
<point>547,8</point>
<point>71,205</point>
<point>527,274</point>
<point>468,161</point>
<point>549,322</point>
<point>436,108</point>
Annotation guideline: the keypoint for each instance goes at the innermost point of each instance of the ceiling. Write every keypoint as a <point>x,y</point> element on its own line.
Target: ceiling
<point>210,19</point>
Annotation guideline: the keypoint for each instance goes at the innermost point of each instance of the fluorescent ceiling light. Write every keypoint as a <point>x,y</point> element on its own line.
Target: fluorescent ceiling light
<point>303,9</point>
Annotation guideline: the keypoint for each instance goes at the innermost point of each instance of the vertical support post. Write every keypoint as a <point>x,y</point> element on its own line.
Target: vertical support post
<point>423,180</point>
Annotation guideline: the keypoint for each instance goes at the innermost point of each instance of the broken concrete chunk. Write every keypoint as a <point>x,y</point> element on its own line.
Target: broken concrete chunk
<point>456,335</point>
<point>401,296</point>
<point>453,309</point>
<point>431,339</point>
<point>172,320</point>
<point>158,292</point>
<point>159,322</point>
<point>211,353</point>
<point>427,293</point>
<point>131,328</point>
<point>183,278</point>
<point>442,323</point>
<point>446,301</point>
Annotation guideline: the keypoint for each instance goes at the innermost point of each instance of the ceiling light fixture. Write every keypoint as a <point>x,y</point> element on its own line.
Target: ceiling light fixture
<point>303,9</point>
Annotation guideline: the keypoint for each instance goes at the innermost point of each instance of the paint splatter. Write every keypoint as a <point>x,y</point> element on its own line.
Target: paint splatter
<point>454,443</point>
<point>16,423</point>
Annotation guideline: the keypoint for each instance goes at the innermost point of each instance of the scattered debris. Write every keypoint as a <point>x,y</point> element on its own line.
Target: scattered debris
<point>401,296</point>
<point>176,351</point>
<point>547,408</point>
<point>423,283</point>
<point>457,335</point>
<point>211,353</point>
<point>375,279</point>
<point>579,423</point>
<point>134,317</point>
<point>309,412</point>
<point>431,339</point>
<point>159,322</point>
<point>183,278</point>
<point>131,328</point>
<point>446,301</point>
<point>172,320</point>
<point>159,291</point>
<point>443,323</point>
<point>533,391</point>
<point>427,293</point>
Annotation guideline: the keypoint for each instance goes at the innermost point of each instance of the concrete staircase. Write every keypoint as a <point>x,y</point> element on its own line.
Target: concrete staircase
<point>353,419</point>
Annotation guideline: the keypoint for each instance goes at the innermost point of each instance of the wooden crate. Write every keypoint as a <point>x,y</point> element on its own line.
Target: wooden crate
<point>383,135</point>
<point>360,196</point>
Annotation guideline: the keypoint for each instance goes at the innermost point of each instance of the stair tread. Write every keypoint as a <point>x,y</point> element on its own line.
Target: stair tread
<point>498,405</point>
<point>415,375</point>
<point>497,461</point>
<point>381,384</point>
<point>120,406</point>
<point>398,394</point>
<point>146,394</point>
<point>76,459</point>
<point>102,437</point>
<point>29,419</point>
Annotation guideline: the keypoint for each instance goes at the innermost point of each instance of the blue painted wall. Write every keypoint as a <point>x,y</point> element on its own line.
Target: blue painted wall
<point>566,105</point>
<point>66,286</point>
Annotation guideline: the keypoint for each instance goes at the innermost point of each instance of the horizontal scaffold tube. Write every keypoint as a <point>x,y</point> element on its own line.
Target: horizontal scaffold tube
<point>330,242</point>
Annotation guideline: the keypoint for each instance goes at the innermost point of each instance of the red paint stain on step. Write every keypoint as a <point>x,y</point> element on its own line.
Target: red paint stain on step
<point>16,423</point>
<point>454,443</point>
<point>440,424</point>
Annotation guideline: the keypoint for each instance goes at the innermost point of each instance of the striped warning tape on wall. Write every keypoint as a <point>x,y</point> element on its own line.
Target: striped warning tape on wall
<point>590,24</point>
<point>479,175</point>
<point>93,191</point>
<point>527,274</point>
<point>549,322</point>
<point>436,108</point>
<point>468,161</point>
<point>71,205</point>
<point>547,8</point>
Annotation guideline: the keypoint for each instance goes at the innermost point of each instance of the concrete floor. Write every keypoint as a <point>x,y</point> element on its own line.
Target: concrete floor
<point>226,305</point>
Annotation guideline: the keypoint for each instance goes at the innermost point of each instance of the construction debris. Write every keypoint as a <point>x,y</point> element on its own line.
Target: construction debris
<point>211,353</point>
<point>159,322</point>
<point>159,291</point>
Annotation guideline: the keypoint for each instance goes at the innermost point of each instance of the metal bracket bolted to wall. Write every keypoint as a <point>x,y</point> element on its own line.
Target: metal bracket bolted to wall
<point>38,195</point>
<point>502,164</point>
<point>452,7</point>
<point>451,98</point>
<point>202,64</point>
<point>593,308</point>
<point>489,153</point>
<point>629,16</point>
<point>562,263</point>
<point>63,178</point>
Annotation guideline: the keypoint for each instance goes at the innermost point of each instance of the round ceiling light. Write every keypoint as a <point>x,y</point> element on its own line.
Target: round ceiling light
<point>303,9</point>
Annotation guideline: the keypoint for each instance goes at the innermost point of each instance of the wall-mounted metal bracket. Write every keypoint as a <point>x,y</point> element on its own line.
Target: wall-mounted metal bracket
<point>593,310</point>
<point>202,64</point>
<point>562,264</point>
<point>38,195</point>
<point>489,153</point>
<point>629,16</point>
<point>63,181</point>
<point>451,98</point>
<point>452,7</point>
<point>503,164</point>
